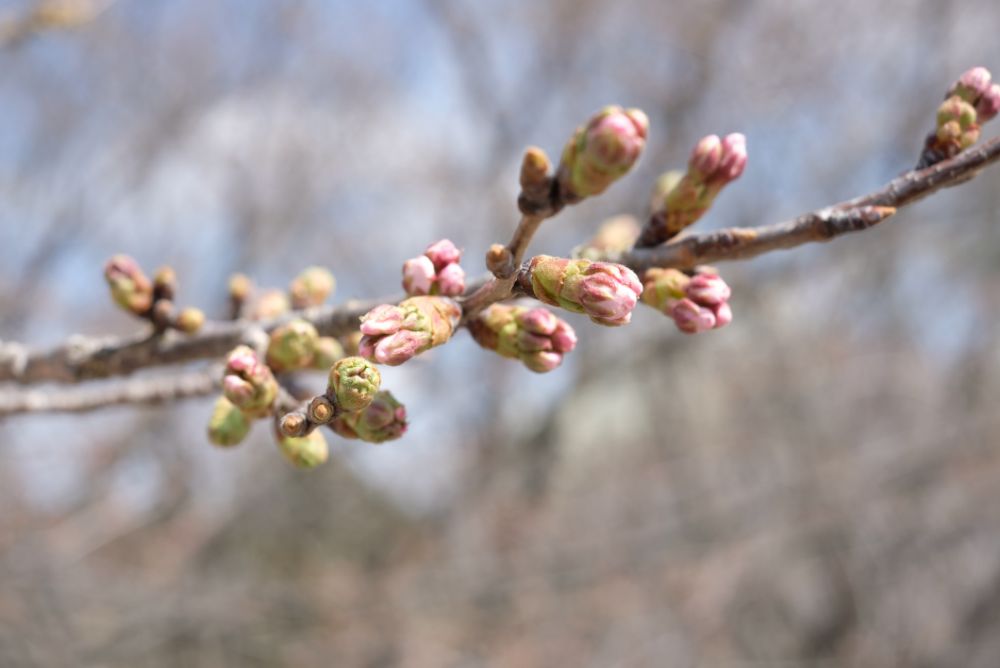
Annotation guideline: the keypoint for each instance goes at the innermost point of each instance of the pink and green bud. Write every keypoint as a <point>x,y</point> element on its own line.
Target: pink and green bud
<point>248,383</point>
<point>270,304</point>
<point>418,275</point>
<point>312,287</point>
<point>130,288</point>
<point>972,85</point>
<point>695,303</point>
<point>327,352</point>
<point>395,334</point>
<point>988,105</point>
<point>605,291</point>
<point>601,152</point>
<point>292,346</point>
<point>383,420</point>
<point>228,425</point>
<point>354,381</point>
<point>957,128</point>
<point>680,200</point>
<point>305,452</point>
<point>535,336</point>
<point>189,320</point>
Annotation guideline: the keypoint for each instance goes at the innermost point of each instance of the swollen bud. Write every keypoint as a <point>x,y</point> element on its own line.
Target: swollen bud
<point>189,320</point>
<point>130,288</point>
<point>227,426</point>
<point>605,291</point>
<point>394,334</point>
<point>292,346</point>
<point>695,303</point>
<point>305,452</point>
<point>354,382</point>
<point>535,336</point>
<point>383,420</point>
<point>601,151</point>
<point>326,352</point>
<point>436,272</point>
<point>248,383</point>
<point>270,304</point>
<point>312,287</point>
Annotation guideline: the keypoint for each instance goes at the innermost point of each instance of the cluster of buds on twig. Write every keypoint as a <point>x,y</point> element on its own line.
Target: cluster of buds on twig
<point>971,101</point>
<point>436,272</point>
<point>384,419</point>
<point>150,300</point>
<point>248,392</point>
<point>696,303</point>
<point>395,334</point>
<point>680,199</point>
<point>533,335</point>
<point>604,291</point>
<point>601,152</point>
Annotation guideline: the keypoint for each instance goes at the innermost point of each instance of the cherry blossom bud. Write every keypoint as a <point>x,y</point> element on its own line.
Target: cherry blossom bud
<point>533,335</point>
<point>130,288</point>
<point>989,104</point>
<point>418,275</point>
<point>383,420</point>
<point>306,452</point>
<point>442,253</point>
<point>270,304</point>
<point>705,157</point>
<point>451,280</point>
<point>354,382</point>
<point>326,352</point>
<point>605,291</point>
<point>734,157</point>
<point>291,346</point>
<point>696,304</point>
<point>601,151</point>
<point>189,320</point>
<point>692,318</point>
<point>312,287</point>
<point>394,334</point>
<point>227,426</point>
<point>972,85</point>
<point>249,383</point>
<point>708,289</point>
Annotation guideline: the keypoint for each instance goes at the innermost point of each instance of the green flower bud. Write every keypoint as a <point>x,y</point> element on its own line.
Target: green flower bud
<point>327,351</point>
<point>305,452</point>
<point>130,288</point>
<point>312,287</point>
<point>383,420</point>
<point>227,426</point>
<point>354,382</point>
<point>292,346</point>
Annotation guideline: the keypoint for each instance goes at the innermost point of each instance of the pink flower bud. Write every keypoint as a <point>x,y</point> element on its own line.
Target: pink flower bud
<point>451,280</point>
<point>708,289</point>
<point>418,275</point>
<point>734,157</point>
<point>609,292</point>
<point>442,253</point>
<point>723,315</point>
<point>706,156</point>
<point>237,390</point>
<point>130,288</point>
<point>538,321</point>
<point>248,383</point>
<point>989,104</point>
<point>383,319</point>
<point>601,152</point>
<point>972,85</point>
<point>535,336</point>
<point>692,318</point>
<point>563,338</point>
<point>542,361</point>
<point>397,348</point>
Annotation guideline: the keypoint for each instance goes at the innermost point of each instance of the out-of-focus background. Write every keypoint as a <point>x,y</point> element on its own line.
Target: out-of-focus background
<point>817,484</point>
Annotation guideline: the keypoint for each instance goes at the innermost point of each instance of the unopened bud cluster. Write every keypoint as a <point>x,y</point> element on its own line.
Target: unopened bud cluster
<point>604,291</point>
<point>152,300</point>
<point>601,152</point>
<point>680,199</point>
<point>695,303</point>
<point>971,101</point>
<point>436,272</point>
<point>249,389</point>
<point>384,419</point>
<point>395,334</point>
<point>535,336</point>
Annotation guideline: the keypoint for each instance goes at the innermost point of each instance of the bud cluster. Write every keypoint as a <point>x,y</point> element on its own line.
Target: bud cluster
<point>436,272</point>
<point>601,152</point>
<point>971,101</point>
<point>384,419</point>
<point>681,199</point>
<point>696,303</point>
<point>150,300</point>
<point>604,291</point>
<point>249,389</point>
<point>394,334</point>
<point>533,335</point>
